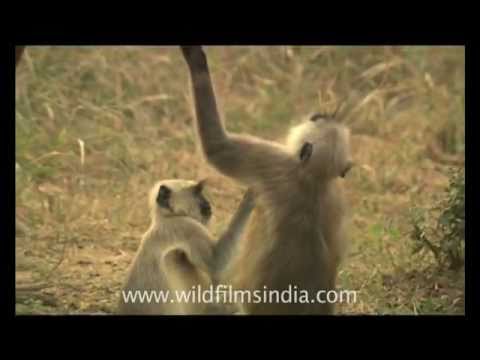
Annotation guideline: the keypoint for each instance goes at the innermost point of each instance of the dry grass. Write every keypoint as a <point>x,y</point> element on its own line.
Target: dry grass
<point>96,126</point>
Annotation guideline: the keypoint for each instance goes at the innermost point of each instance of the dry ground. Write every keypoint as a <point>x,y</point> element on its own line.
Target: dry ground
<point>97,126</point>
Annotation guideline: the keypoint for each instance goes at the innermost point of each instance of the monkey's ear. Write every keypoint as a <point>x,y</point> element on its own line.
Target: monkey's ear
<point>327,116</point>
<point>198,188</point>
<point>163,196</point>
<point>306,152</point>
<point>315,116</point>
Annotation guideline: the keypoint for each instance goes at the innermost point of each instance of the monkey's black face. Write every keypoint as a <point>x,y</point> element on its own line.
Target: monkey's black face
<point>182,198</point>
<point>203,204</point>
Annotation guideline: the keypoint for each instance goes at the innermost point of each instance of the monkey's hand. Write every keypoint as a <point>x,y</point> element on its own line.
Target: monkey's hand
<point>194,56</point>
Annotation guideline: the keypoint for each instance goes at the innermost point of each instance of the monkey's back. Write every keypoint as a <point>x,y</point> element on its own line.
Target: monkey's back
<point>148,271</point>
<point>282,249</point>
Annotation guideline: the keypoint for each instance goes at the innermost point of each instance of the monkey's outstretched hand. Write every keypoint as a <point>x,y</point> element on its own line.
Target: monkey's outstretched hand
<point>194,55</point>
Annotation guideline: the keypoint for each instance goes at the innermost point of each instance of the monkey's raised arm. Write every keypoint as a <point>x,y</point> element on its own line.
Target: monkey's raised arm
<point>18,54</point>
<point>244,158</point>
<point>226,244</point>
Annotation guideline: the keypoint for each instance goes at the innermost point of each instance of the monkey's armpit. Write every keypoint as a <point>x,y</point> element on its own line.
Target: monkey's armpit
<point>177,257</point>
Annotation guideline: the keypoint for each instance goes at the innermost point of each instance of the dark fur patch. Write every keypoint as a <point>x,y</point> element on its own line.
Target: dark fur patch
<point>306,152</point>
<point>204,205</point>
<point>163,197</point>
<point>325,115</point>
<point>317,116</point>
<point>198,188</point>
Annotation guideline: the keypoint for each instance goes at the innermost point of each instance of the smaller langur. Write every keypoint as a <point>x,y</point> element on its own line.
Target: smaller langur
<point>177,253</point>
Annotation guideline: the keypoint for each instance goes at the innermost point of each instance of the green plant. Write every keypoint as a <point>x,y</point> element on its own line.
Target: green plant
<point>441,229</point>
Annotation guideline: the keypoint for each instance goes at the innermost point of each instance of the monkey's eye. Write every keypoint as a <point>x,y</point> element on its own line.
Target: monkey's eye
<point>163,196</point>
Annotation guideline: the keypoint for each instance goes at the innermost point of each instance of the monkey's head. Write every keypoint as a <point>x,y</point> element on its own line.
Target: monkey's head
<point>179,197</point>
<point>322,146</point>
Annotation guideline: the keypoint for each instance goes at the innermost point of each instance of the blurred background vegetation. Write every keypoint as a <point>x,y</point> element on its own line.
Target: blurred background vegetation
<point>97,126</point>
